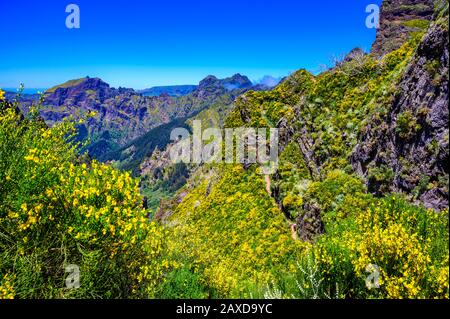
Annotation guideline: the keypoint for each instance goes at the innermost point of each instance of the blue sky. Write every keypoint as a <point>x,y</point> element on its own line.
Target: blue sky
<point>139,44</point>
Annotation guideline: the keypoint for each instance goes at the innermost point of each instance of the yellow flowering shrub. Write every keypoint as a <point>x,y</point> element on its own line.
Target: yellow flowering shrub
<point>401,258</point>
<point>6,288</point>
<point>233,233</point>
<point>408,244</point>
<point>58,208</point>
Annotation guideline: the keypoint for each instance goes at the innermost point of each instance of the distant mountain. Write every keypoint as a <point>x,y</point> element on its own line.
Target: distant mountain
<point>175,90</point>
<point>123,114</point>
<point>236,82</point>
<point>29,91</point>
<point>25,99</point>
<point>210,102</point>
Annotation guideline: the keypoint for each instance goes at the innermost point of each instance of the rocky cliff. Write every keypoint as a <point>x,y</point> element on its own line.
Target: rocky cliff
<point>407,148</point>
<point>398,18</point>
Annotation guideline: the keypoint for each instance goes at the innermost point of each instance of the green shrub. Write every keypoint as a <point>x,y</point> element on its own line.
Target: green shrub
<point>420,24</point>
<point>407,125</point>
<point>338,196</point>
<point>233,233</point>
<point>381,177</point>
<point>182,283</point>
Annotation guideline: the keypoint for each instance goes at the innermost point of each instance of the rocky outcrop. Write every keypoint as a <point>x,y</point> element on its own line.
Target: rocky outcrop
<point>309,223</point>
<point>407,150</point>
<point>398,18</point>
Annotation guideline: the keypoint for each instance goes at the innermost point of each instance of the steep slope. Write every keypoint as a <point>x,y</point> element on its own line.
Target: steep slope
<point>385,116</point>
<point>405,146</point>
<point>230,229</point>
<point>321,117</point>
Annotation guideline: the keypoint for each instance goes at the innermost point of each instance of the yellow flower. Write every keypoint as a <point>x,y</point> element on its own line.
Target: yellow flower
<point>13,215</point>
<point>6,287</point>
<point>2,95</point>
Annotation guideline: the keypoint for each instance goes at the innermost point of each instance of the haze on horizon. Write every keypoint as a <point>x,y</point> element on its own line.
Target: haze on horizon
<point>141,44</point>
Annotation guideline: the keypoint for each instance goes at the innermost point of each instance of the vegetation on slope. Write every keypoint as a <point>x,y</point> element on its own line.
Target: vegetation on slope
<point>57,209</point>
<point>233,234</point>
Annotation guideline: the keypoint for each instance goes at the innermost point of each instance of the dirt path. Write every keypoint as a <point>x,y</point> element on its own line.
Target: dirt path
<point>294,231</point>
<point>267,178</point>
<point>269,191</point>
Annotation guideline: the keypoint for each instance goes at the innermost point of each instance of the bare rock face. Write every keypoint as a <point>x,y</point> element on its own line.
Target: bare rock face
<point>398,18</point>
<point>309,224</point>
<point>408,148</point>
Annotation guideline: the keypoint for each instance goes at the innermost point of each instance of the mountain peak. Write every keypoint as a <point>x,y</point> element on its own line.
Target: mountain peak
<point>238,77</point>
<point>78,90</point>
<point>82,83</point>
<point>208,81</point>
<point>234,82</point>
<point>237,81</point>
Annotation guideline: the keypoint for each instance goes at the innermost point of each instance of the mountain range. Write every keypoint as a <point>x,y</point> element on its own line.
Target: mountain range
<point>123,114</point>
